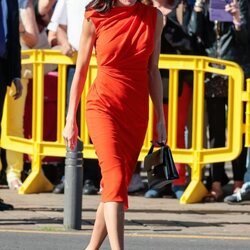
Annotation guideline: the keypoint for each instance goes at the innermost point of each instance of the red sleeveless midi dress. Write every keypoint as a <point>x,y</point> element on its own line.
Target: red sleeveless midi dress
<point>117,103</point>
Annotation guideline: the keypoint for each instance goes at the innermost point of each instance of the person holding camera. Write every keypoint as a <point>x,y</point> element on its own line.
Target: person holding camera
<point>223,33</point>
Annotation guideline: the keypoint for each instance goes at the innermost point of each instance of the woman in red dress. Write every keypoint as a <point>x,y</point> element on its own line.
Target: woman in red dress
<point>126,35</point>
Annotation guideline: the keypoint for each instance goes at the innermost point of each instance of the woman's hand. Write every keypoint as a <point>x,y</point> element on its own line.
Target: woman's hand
<point>70,134</point>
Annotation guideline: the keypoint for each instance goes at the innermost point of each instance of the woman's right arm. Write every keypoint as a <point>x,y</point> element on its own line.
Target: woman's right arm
<point>87,40</point>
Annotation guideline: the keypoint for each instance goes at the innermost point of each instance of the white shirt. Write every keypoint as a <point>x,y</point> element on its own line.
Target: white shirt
<point>70,13</point>
<point>59,16</point>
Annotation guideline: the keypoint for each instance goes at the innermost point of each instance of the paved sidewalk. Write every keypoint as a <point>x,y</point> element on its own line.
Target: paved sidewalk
<point>44,212</point>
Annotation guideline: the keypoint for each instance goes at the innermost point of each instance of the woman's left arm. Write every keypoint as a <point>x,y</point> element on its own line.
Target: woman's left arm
<point>155,83</point>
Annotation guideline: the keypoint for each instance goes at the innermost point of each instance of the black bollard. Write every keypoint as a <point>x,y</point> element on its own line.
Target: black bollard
<point>73,187</point>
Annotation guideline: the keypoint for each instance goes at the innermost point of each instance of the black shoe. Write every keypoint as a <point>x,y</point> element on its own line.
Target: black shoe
<point>5,206</point>
<point>59,188</point>
<point>89,188</point>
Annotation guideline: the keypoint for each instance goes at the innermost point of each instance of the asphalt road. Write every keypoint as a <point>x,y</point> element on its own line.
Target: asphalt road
<point>28,240</point>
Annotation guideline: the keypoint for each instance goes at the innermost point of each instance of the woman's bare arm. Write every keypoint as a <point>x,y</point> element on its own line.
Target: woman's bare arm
<point>87,40</point>
<point>155,83</point>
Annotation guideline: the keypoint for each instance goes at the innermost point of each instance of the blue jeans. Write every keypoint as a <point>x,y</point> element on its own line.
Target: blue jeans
<point>246,186</point>
<point>247,173</point>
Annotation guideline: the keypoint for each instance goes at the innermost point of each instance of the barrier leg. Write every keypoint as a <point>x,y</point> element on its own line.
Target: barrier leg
<point>196,190</point>
<point>36,182</point>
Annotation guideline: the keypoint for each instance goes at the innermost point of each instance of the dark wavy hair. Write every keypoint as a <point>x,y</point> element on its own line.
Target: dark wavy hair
<point>102,6</point>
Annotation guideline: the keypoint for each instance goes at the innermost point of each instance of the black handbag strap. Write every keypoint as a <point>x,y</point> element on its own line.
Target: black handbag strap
<point>161,144</point>
<point>151,149</point>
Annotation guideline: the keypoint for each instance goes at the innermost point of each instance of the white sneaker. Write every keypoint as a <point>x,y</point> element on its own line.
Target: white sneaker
<point>15,184</point>
<point>136,184</point>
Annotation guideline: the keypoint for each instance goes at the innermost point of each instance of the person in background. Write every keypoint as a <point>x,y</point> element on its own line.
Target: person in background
<point>228,41</point>
<point>52,28</point>
<point>45,7</point>
<point>136,184</point>
<point>10,58</point>
<point>43,11</point>
<point>126,35</point>
<point>242,195</point>
<point>28,32</point>
<point>67,16</point>
<point>28,29</point>
<point>30,38</point>
<point>175,40</point>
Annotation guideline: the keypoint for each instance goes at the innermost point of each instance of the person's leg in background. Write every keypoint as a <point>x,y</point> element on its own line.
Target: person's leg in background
<point>3,88</point>
<point>217,124</point>
<point>239,169</point>
<point>179,185</point>
<point>59,188</point>
<point>184,100</point>
<point>92,173</point>
<point>91,177</point>
<point>247,173</point>
<point>15,159</point>
<point>239,164</point>
<point>136,183</point>
<point>241,177</point>
<point>243,194</point>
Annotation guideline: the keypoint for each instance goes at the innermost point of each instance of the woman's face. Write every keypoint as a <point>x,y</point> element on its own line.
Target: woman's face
<point>125,2</point>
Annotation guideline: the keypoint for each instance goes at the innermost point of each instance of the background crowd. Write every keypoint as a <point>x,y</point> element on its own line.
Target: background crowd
<point>188,30</point>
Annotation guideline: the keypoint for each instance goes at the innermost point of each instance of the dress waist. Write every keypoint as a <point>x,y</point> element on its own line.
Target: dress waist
<point>122,69</point>
<point>137,74</point>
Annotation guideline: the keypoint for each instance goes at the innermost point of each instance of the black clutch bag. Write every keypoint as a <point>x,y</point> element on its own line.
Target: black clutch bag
<point>160,167</point>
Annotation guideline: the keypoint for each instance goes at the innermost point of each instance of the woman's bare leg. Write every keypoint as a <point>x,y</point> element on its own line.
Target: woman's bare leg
<point>99,231</point>
<point>114,218</point>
